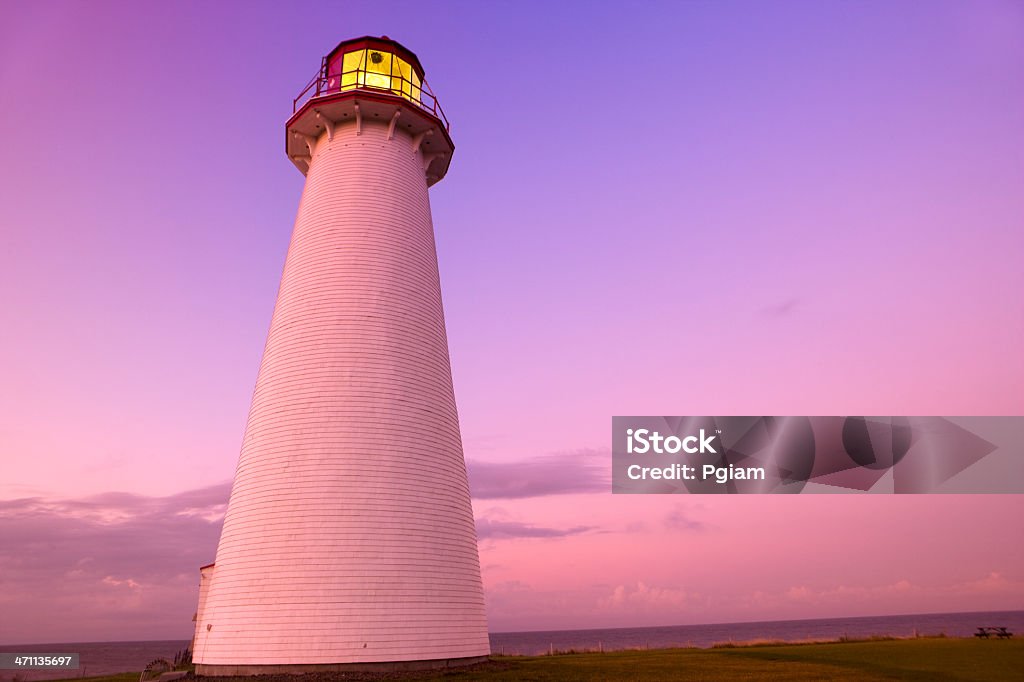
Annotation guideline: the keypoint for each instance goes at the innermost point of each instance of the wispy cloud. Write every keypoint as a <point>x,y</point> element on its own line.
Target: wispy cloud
<point>643,597</point>
<point>994,584</point>
<point>112,560</point>
<point>782,308</point>
<point>682,519</point>
<point>490,529</point>
<point>582,471</point>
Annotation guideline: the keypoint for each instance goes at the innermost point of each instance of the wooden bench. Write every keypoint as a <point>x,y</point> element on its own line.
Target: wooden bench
<point>1000,633</point>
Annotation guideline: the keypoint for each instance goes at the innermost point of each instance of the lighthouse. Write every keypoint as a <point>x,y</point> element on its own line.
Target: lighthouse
<point>349,540</point>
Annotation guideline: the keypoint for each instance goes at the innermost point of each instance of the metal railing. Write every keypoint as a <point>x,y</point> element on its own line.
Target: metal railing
<point>418,94</point>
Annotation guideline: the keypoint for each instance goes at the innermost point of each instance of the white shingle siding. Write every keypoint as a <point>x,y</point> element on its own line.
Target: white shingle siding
<point>349,536</point>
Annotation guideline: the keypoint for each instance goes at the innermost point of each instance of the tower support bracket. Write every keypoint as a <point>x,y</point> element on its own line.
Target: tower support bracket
<point>418,140</point>
<point>429,159</point>
<point>394,121</point>
<point>310,142</point>
<point>328,124</point>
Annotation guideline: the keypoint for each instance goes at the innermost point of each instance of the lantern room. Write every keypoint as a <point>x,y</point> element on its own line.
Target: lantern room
<point>377,64</point>
<point>365,81</point>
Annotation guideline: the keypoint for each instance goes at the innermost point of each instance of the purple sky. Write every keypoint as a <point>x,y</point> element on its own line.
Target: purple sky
<point>677,208</point>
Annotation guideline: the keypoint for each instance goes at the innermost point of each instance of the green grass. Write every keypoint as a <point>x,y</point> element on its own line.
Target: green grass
<point>938,659</point>
<point>912,659</point>
<point>119,677</point>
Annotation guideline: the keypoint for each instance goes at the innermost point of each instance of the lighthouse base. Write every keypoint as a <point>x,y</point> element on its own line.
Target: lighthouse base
<point>363,667</point>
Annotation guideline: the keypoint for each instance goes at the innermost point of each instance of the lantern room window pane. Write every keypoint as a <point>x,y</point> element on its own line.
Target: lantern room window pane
<point>399,75</point>
<point>406,81</point>
<point>378,69</point>
<point>398,66</point>
<point>351,63</point>
<point>414,93</point>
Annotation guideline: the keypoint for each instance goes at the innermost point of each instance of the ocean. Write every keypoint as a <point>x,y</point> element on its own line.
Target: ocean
<point>950,624</point>
<point>101,658</point>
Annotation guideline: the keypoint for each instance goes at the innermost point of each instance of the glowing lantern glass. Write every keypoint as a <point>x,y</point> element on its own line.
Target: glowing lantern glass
<point>379,70</point>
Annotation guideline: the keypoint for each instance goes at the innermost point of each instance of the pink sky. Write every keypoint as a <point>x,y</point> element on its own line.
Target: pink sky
<point>819,213</point>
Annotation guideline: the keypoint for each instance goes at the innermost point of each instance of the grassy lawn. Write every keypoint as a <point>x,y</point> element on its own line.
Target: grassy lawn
<point>916,659</point>
<point>119,677</point>
<point>912,659</point>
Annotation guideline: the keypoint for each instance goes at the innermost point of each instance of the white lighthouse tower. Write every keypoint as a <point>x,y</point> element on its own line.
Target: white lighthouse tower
<point>349,539</point>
